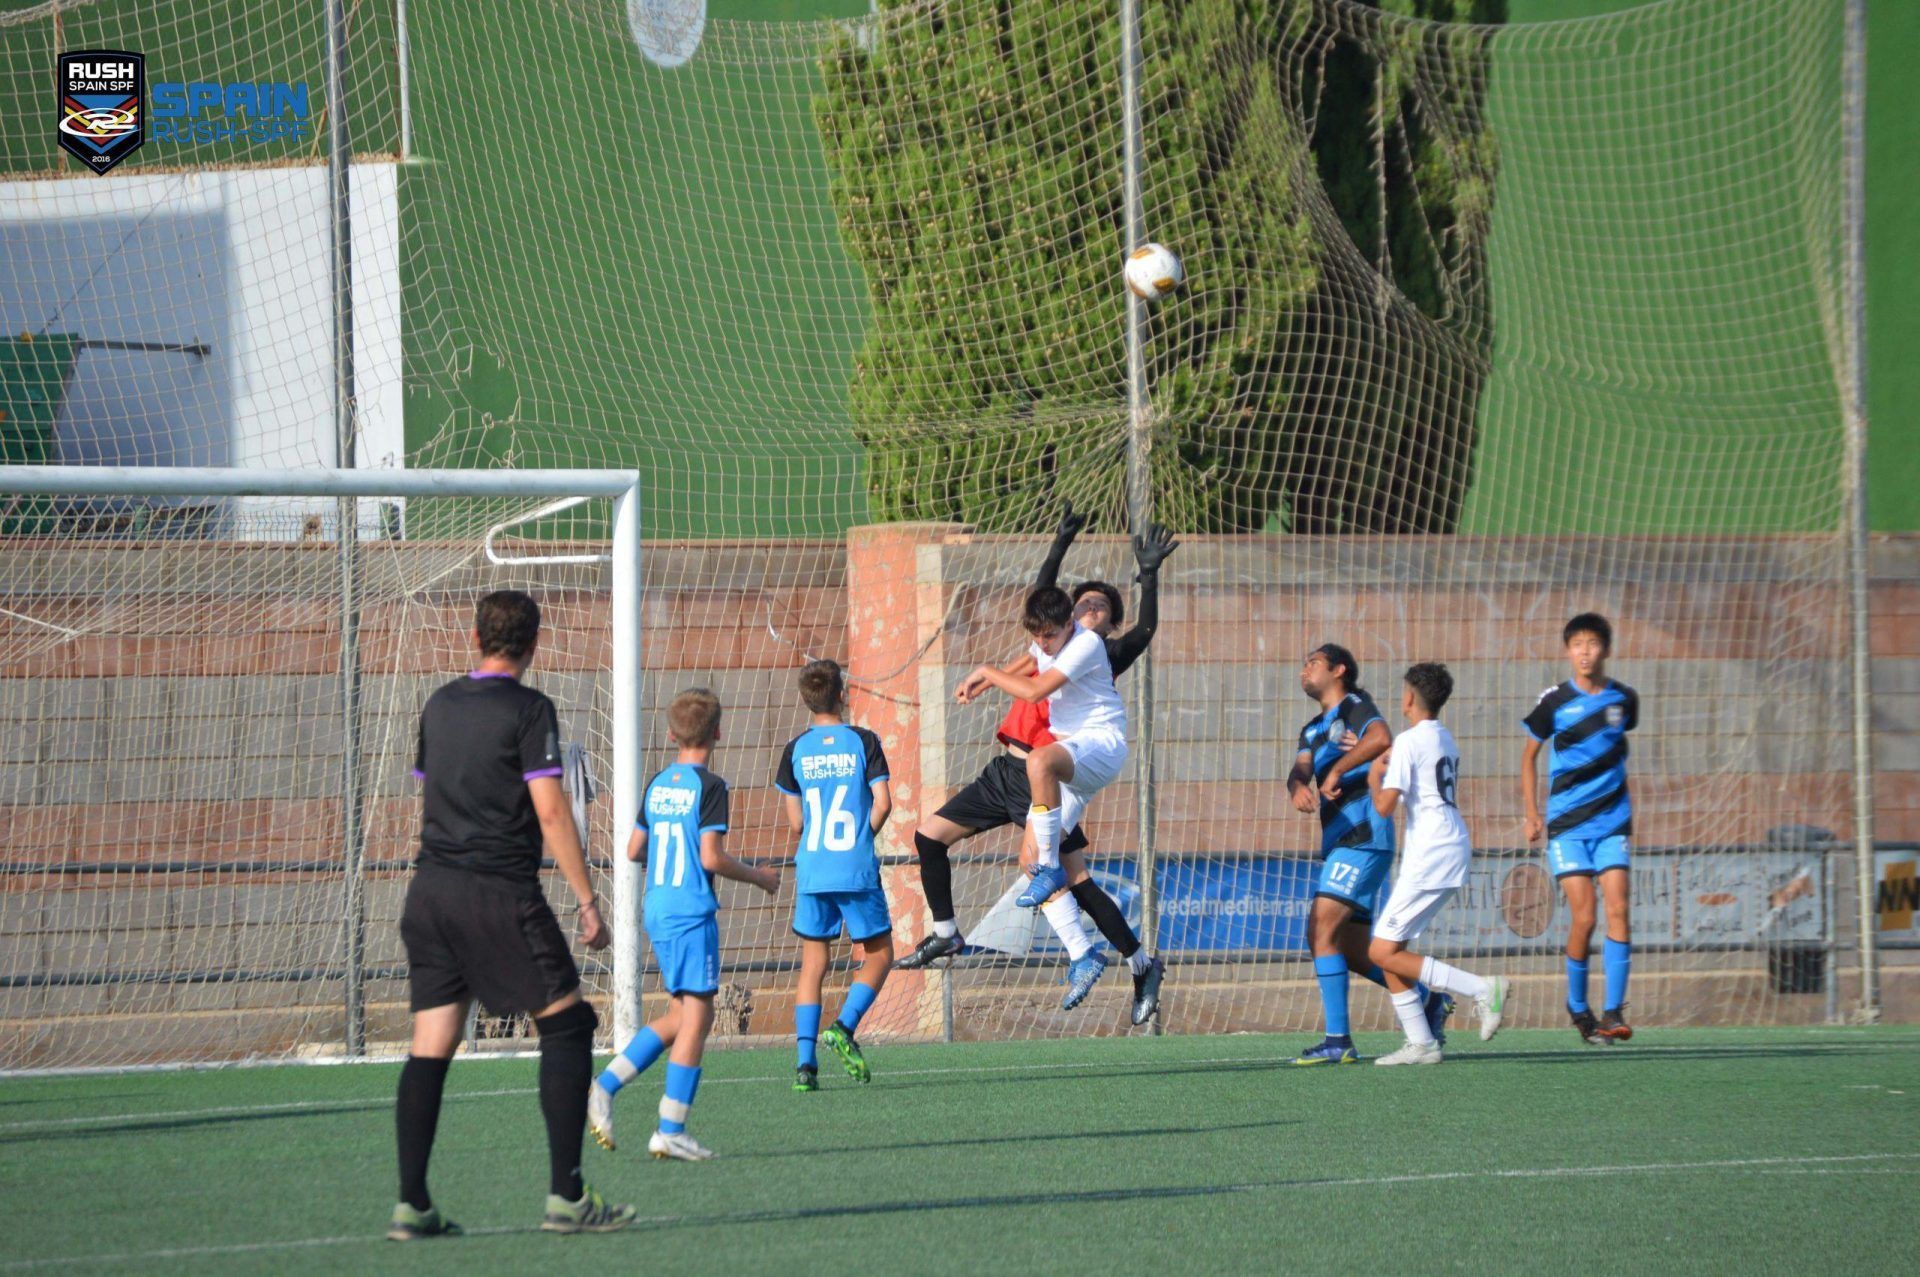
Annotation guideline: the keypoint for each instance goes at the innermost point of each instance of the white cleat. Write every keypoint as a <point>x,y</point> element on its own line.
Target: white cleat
<point>1414,1053</point>
<point>681,1147</point>
<point>1492,1007</point>
<point>600,1116</point>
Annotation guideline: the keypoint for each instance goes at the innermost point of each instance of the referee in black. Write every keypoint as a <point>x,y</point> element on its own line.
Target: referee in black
<point>476,924</point>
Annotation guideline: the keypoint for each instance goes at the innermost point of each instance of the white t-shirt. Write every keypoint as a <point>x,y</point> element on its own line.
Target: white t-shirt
<point>1425,768</point>
<point>1087,699</point>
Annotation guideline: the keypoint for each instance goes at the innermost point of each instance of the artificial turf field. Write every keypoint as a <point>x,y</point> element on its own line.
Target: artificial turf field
<point>1775,1150</point>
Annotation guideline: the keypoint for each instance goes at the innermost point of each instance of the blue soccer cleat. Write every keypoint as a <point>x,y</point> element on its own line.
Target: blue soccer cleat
<point>1439,1010</point>
<point>1082,975</point>
<point>1330,1051</point>
<point>1046,882</point>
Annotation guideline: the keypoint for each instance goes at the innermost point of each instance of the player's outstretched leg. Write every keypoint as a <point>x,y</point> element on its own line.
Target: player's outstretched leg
<point>931,842</point>
<point>876,956</point>
<point>1578,889</point>
<point>1048,769</point>
<point>806,1014</point>
<point>416,1119</point>
<point>1147,970</point>
<point>634,1059</point>
<point>1330,969</point>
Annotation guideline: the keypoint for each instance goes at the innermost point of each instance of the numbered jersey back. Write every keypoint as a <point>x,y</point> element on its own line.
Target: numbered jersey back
<point>683,802</point>
<point>832,770</point>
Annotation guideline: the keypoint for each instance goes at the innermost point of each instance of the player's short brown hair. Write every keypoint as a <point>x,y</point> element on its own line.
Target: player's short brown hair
<point>823,687</point>
<point>694,718</point>
<point>507,623</point>
<point>1048,609</point>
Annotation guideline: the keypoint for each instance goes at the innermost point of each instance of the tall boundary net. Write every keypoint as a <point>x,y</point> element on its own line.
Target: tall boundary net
<point>1484,326</point>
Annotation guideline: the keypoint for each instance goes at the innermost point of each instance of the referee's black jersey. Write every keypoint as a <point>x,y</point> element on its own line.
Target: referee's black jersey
<point>482,738</point>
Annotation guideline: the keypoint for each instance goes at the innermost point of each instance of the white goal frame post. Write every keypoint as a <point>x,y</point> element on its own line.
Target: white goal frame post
<point>565,488</point>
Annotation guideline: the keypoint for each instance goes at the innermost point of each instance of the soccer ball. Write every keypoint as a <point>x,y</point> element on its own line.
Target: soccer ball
<point>1153,271</point>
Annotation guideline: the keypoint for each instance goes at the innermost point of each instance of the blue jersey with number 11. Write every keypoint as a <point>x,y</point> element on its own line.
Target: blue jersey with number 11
<point>831,770</point>
<point>682,803</point>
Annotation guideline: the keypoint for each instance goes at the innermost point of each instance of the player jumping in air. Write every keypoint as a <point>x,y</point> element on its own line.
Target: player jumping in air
<point>678,838</point>
<point>1422,770</point>
<point>838,797</point>
<point>1002,793</point>
<point>1589,815</point>
<point>1337,747</point>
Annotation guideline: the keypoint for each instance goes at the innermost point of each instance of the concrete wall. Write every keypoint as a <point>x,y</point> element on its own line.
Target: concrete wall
<point>186,719</point>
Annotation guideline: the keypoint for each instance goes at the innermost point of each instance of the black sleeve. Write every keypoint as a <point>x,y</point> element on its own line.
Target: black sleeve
<point>1539,720</point>
<point>1365,713</point>
<point>1633,708</point>
<point>713,804</point>
<point>1128,648</point>
<point>539,742</point>
<point>876,756</point>
<point>1049,573</point>
<point>783,777</point>
<point>420,751</point>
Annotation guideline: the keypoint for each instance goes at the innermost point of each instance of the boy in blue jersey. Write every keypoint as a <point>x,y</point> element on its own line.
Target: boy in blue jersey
<point>838,797</point>
<point>1589,815</point>
<point>677,839</point>
<point>1337,747</point>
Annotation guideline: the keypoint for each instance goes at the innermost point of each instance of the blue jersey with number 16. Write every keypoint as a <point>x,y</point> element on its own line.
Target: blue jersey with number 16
<point>831,771</point>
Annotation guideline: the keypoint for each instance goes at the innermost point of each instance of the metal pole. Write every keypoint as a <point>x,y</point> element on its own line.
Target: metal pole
<point>403,56</point>
<point>1854,405</point>
<point>626,763</point>
<point>352,771</point>
<point>1139,473</point>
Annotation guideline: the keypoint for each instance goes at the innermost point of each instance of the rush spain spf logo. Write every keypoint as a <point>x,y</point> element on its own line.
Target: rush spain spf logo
<point>99,109</point>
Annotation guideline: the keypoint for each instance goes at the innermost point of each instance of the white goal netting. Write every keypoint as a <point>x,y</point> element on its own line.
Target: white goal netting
<point>1485,325</point>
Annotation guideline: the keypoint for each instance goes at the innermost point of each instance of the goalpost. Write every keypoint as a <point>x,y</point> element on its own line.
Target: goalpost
<point>240,621</point>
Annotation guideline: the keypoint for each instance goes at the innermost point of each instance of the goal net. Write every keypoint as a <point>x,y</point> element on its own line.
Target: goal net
<point>1485,325</point>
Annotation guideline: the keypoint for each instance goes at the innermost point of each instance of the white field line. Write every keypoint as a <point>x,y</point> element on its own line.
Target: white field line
<point>1765,1165</point>
<point>322,1106</point>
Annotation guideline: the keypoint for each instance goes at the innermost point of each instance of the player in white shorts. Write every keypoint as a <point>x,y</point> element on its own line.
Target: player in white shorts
<point>1422,770</point>
<point>1087,719</point>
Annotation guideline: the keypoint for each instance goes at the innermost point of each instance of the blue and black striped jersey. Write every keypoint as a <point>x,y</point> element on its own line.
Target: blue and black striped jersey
<point>1587,796</point>
<point>1349,820</point>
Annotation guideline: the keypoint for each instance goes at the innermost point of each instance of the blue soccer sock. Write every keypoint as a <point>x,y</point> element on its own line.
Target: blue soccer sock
<point>1618,961</point>
<point>1332,973</point>
<point>806,1032</point>
<point>859,1000</point>
<point>682,1082</point>
<point>1379,977</point>
<point>641,1050</point>
<point>1577,985</point>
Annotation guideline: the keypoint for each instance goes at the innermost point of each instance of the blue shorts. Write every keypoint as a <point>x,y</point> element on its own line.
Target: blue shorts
<point>690,959</point>
<point>1354,876</point>
<point>1567,857</point>
<point>818,915</point>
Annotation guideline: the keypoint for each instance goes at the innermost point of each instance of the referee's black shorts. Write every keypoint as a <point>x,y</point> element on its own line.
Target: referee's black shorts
<point>477,935</point>
<point>1000,795</point>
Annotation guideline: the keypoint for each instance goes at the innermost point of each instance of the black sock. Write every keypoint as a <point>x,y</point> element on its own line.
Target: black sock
<point>416,1116</point>
<point>566,1070</point>
<point>1106,915</point>
<point>936,876</point>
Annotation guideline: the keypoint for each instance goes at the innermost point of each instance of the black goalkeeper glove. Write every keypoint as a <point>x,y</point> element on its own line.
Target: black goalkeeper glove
<point>1151,550</point>
<point>1070,524</point>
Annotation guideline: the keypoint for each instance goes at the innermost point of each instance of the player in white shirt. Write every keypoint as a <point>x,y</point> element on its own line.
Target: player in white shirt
<point>1421,770</point>
<point>1086,717</point>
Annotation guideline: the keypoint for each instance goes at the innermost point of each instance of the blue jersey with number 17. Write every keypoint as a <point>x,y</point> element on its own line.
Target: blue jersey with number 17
<point>831,770</point>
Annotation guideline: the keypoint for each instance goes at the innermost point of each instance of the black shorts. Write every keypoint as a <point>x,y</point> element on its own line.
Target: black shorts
<point>1000,795</point>
<point>475,935</point>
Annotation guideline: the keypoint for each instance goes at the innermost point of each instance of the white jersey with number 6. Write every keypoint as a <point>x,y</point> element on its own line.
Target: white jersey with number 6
<point>1425,768</point>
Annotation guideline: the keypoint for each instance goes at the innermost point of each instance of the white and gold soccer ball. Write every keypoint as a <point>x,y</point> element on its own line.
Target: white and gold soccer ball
<point>1153,271</point>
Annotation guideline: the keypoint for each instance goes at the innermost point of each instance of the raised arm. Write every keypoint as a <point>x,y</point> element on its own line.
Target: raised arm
<point>1070,525</point>
<point>1149,552</point>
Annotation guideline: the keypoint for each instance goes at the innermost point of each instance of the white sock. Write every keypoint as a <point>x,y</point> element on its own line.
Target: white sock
<point>946,928</point>
<point>1045,824</point>
<point>1139,960</point>
<point>1438,975</point>
<point>1413,1017</point>
<point>1063,915</point>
